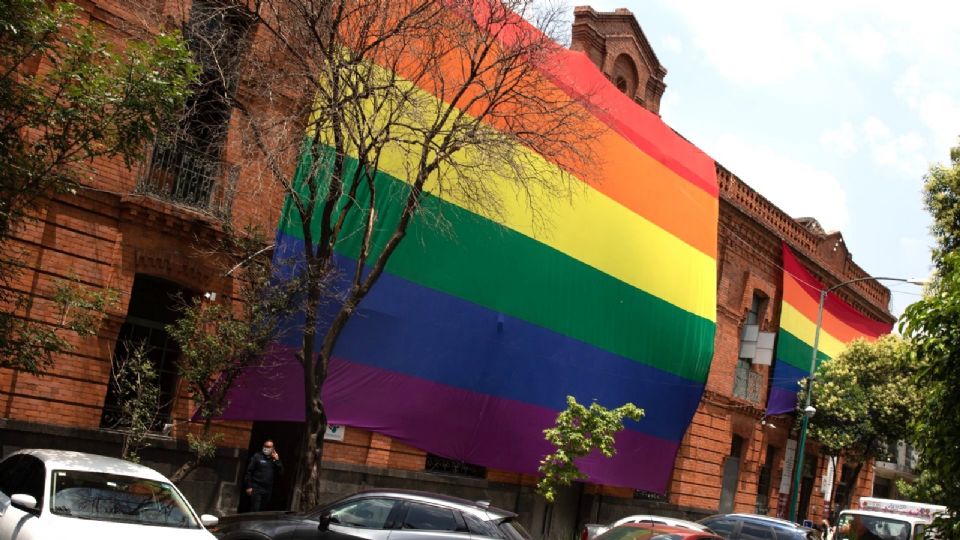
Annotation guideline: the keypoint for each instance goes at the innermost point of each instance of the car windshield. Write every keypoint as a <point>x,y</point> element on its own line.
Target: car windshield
<point>126,499</point>
<point>864,527</point>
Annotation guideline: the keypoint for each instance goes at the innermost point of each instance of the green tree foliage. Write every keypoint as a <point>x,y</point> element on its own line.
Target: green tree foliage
<point>579,431</point>
<point>864,400</point>
<point>30,347</point>
<point>933,326</point>
<point>218,340</point>
<point>137,384</point>
<point>66,98</point>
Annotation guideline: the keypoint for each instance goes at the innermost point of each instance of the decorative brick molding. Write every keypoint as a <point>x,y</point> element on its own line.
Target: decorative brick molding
<point>616,44</point>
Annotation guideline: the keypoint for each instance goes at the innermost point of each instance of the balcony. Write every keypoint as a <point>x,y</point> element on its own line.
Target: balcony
<point>746,385</point>
<point>187,177</point>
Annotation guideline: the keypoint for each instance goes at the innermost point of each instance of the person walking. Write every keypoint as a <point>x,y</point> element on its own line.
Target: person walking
<point>262,470</point>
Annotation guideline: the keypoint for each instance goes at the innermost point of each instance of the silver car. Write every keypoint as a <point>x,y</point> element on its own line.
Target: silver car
<point>380,515</point>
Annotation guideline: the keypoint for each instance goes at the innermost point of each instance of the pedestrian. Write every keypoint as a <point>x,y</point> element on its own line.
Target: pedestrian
<point>826,533</point>
<point>262,469</point>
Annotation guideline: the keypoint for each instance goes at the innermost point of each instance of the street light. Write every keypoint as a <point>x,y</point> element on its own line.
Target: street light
<point>809,410</point>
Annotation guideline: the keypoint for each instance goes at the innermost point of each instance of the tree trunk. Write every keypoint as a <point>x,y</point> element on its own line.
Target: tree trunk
<point>853,485</point>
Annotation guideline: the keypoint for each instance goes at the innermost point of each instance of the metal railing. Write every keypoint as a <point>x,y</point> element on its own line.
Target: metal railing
<point>184,176</point>
<point>746,385</point>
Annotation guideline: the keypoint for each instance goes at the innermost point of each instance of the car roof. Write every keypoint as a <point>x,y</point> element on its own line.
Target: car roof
<point>648,518</point>
<point>764,519</point>
<point>478,507</point>
<point>888,515</point>
<point>661,528</point>
<point>81,461</point>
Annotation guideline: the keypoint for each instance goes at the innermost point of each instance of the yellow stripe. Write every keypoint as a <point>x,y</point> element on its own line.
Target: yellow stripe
<point>793,321</point>
<point>592,228</point>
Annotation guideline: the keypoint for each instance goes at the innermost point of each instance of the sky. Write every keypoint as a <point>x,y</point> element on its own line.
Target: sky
<point>833,110</point>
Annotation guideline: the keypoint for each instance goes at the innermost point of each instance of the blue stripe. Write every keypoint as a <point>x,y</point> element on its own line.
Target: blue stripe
<point>411,329</point>
<point>786,376</point>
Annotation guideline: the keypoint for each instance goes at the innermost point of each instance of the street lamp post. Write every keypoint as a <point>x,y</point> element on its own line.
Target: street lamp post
<point>808,410</point>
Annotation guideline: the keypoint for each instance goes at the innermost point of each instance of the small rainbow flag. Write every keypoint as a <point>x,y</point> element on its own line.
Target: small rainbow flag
<point>798,322</point>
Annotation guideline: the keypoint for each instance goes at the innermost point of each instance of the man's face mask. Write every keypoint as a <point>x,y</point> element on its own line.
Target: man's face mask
<point>267,451</point>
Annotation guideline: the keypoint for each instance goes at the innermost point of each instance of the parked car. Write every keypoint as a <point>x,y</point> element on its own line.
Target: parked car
<point>757,527</point>
<point>592,530</point>
<point>55,494</point>
<point>655,531</point>
<point>378,515</point>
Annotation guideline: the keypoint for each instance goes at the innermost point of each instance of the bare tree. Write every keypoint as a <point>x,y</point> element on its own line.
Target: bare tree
<point>451,97</point>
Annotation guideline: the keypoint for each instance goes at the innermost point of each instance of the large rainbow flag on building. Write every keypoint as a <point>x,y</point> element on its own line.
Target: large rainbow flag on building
<point>798,322</point>
<point>470,342</point>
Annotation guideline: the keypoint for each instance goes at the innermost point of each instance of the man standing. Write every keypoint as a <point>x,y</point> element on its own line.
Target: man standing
<point>263,467</point>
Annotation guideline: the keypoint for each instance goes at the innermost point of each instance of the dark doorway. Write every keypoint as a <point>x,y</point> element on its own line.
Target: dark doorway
<point>731,475</point>
<point>806,486</point>
<point>286,437</point>
<point>153,305</point>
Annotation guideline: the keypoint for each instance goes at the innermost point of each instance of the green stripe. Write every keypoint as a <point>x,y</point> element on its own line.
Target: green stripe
<point>796,352</point>
<point>485,263</point>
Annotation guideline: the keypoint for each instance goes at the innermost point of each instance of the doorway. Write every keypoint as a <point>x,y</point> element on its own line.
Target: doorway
<point>286,437</point>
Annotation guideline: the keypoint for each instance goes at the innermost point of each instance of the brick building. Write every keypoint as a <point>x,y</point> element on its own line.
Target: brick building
<point>131,230</point>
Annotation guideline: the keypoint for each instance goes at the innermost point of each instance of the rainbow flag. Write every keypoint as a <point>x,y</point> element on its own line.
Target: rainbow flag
<point>471,340</point>
<point>798,322</point>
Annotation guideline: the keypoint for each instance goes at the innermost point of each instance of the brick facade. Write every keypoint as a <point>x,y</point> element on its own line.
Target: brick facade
<point>107,234</point>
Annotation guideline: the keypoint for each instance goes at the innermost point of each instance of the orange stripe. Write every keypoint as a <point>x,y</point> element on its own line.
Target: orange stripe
<point>625,173</point>
<point>795,295</point>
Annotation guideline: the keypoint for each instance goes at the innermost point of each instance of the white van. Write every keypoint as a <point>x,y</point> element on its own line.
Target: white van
<point>886,519</point>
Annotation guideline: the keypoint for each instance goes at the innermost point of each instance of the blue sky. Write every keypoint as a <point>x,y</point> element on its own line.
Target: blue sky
<point>829,109</point>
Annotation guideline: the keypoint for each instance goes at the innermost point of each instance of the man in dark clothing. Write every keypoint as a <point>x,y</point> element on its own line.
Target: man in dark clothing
<point>263,467</point>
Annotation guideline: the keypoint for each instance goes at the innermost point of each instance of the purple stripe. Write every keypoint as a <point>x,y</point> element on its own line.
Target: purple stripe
<point>459,424</point>
<point>782,401</point>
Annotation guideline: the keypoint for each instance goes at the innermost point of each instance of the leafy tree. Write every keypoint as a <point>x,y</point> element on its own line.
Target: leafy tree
<point>933,326</point>
<point>137,384</point>
<point>864,400</point>
<point>337,89</point>
<point>219,340</point>
<point>578,432</point>
<point>66,98</point>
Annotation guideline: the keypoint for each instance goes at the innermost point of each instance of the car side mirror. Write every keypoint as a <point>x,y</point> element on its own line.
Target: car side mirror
<point>324,522</point>
<point>209,521</point>
<point>27,503</point>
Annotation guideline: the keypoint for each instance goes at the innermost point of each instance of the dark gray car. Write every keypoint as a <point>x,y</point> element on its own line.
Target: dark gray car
<point>380,515</point>
<point>757,527</point>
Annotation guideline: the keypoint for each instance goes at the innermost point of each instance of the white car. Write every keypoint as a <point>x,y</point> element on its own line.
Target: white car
<point>56,494</point>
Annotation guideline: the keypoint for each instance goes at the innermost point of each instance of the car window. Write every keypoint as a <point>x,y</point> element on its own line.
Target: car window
<point>722,526</point>
<point>11,474</point>
<point>33,477</point>
<point>479,527</point>
<point>512,530</point>
<point>787,534</point>
<point>756,531</point>
<point>427,517</point>
<point>370,513</point>
<point>125,499</point>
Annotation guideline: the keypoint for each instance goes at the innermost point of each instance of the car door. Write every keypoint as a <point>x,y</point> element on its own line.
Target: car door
<point>370,518</point>
<point>20,474</point>
<point>424,521</point>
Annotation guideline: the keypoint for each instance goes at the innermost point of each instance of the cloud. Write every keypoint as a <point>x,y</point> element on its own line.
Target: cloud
<point>668,103</point>
<point>866,46</point>
<point>798,188</point>
<point>901,152</point>
<point>842,139</point>
<point>753,42</point>
<point>673,43</point>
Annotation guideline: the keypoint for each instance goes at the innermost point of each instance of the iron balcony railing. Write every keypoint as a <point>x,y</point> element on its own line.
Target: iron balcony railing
<point>184,176</point>
<point>746,385</point>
